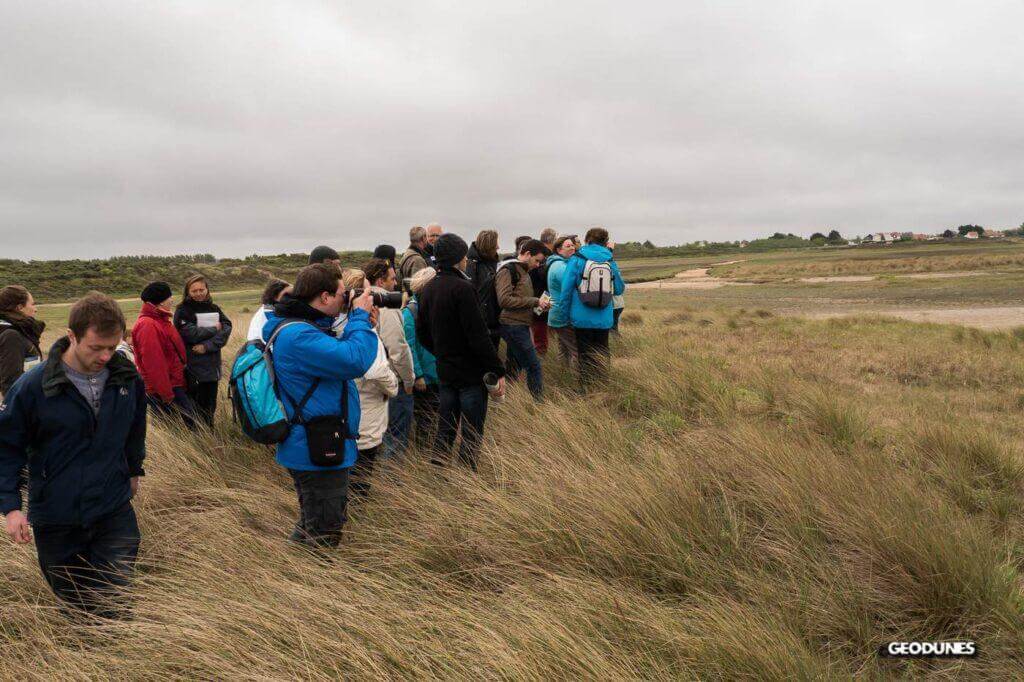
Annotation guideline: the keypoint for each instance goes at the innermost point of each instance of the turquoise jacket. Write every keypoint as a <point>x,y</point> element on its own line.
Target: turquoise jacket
<point>423,361</point>
<point>557,316</point>
<point>582,316</point>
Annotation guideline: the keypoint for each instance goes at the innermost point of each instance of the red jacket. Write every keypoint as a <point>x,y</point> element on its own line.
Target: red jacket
<point>159,352</point>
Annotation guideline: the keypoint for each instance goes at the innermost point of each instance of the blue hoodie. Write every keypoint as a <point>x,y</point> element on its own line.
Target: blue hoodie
<point>302,354</point>
<point>557,316</point>
<point>569,304</point>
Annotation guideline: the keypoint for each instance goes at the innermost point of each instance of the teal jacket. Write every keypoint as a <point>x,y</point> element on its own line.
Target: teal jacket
<point>423,361</point>
<point>582,316</point>
<point>557,316</point>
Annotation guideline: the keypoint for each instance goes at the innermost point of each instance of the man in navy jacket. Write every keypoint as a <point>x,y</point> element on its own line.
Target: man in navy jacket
<point>79,422</point>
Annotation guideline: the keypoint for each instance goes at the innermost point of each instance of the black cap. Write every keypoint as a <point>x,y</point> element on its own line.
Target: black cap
<point>156,293</point>
<point>323,253</point>
<point>449,250</point>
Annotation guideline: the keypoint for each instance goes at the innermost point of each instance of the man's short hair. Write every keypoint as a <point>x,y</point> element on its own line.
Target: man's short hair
<point>273,290</point>
<point>96,311</point>
<point>376,268</point>
<point>417,234</point>
<point>522,239</point>
<point>547,235</point>
<point>597,235</point>
<point>533,247</point>
<point>432,226</point>
<point>314,280</point>
<point>321,254</point>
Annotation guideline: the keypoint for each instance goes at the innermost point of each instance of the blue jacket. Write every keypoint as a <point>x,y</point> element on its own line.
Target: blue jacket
<point>557,316</point>
<point>423,360</point>
<point>579,315</point>
<point>302,353</point>
<point>79,464</point>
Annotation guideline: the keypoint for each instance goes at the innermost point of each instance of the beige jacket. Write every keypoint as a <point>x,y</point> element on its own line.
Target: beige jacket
<point>516,302</point>
<point>376,387</point>
<point>391,329</point>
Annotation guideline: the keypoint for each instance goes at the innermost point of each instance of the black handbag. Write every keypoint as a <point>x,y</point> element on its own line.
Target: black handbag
<point>325,434</point>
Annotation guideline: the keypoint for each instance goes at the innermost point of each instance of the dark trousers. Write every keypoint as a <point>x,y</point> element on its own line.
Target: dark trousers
<point>204,398</point>
<point>592,346</point>
<point>323,498</point>
<point>463,410</point>
<point>520,346</point>
<point>87,567</point>
<point>424,416</point>
<point>362,472</point>
<point>181,408</point>
<point>539,330</point>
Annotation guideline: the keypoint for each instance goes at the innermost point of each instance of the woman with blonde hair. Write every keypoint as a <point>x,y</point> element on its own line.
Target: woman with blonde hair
<point>205,329</point>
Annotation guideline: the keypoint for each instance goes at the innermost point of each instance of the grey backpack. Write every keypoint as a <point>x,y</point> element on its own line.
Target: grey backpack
<point>597,284</point>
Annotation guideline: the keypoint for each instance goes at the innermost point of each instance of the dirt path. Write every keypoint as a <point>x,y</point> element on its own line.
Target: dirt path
<point>697,278</point>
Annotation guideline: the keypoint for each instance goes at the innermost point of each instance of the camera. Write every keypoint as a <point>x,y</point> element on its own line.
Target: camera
<point>381,299</point>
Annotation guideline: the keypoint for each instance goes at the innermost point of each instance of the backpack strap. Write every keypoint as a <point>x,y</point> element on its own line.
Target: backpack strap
<point>269,358</point>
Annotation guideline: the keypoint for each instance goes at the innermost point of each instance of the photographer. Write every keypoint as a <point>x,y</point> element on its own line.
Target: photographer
<point>391,329</point>
<point>315,373</point>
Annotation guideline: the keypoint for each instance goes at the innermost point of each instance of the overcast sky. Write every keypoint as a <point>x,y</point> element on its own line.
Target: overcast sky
<point>261,127</point>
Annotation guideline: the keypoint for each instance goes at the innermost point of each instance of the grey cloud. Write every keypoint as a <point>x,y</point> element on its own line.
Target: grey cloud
<point>267,126</point>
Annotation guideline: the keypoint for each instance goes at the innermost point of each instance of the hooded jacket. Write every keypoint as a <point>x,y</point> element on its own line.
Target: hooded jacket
<point>204,366</point>
<point>557,316</point>
<point>515,297</point>
<point>19,347</point>
<point>424,362</point>
<point>392,333</point>
<point>159,352</point>
<point>450,325</point>
<point>303,353</point>
<point>376,387</point>
<point>80,464</point>
<point>481,271</point>
<point>579,315</point>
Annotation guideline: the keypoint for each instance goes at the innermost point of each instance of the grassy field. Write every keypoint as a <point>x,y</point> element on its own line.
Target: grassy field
<point>756,496</point>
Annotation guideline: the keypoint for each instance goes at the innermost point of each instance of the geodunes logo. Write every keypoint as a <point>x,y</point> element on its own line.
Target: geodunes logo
<point>929,650</point>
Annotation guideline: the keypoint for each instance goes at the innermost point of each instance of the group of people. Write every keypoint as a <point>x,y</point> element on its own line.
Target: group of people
<point>365,361</point>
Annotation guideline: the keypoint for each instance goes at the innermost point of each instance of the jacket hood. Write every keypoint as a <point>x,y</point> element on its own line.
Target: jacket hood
<point>595,252</point>
<point>474,254</point>
<point>122,371</point>
<point>554,258</point>
<point>150,310</point>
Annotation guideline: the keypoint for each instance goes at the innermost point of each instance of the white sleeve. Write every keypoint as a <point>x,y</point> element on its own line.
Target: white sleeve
<point>256,325</point>
<point>381,373</point>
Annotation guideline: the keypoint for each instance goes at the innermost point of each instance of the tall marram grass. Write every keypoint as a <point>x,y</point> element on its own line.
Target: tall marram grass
<point>751,498</point>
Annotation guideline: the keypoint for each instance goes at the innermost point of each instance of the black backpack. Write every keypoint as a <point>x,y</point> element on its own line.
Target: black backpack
<point>486,293</point>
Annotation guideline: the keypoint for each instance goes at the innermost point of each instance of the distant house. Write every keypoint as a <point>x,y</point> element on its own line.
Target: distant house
<point>971,235</point>
<point>919,237</point>
<point>882,237</point>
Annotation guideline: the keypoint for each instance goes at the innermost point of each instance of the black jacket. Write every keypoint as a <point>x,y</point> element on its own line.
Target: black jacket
<point>79,464</point>
<point>449,324</point>
<point>205,366</point>
<point>481,272</point>
<point>19,341</point>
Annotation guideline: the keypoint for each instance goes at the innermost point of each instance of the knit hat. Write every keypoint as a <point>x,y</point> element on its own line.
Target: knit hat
<point>322,253</point>
<point>156,293</point>
<point>385,251</point>
<point>449,250</point>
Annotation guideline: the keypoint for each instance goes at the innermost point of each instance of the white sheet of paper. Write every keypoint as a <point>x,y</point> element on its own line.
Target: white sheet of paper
<point>209,320</point>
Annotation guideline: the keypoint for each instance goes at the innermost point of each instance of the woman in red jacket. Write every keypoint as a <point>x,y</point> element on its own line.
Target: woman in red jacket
<point>160,354</point>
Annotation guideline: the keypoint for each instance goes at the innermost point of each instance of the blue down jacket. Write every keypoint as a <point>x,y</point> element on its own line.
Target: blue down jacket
<point>581,316</point>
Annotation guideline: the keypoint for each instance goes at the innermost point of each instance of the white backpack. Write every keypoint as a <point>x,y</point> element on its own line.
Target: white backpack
<point>597,284</point>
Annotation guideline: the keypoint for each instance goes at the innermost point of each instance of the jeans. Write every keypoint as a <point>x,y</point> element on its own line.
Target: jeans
<point>424,414</point>
<point>465,410</point>
<point>181,407</point>
<point>88,567</point>
<point>396,438</point>
<point>520,345</point>
<point>595,356</point>
<point>323,498</point>
<point>204,399</point>
<point>359,483</point>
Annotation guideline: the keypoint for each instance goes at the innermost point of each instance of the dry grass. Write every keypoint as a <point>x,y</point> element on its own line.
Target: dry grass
<point>758,497</point>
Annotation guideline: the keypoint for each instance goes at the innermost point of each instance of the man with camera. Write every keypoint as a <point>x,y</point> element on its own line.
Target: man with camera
<point>391,329</point>
<point>315,373</point>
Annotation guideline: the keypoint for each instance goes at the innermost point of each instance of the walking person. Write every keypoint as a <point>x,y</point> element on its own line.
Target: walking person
<point>481,268</point>
<point>205,330</point>
<point>160,355</point>
<point>425,397</point>
<point>79,422</point>
<point>416,257</point>
<point>590,280</point>
<point>272,293</point>
<point>450,325</point>
<point>20,334</point>
<point>515,296</point>
<point>558,319</point>
<point>315,378</point>
<point>391,329</point>
<point>539,279</point>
